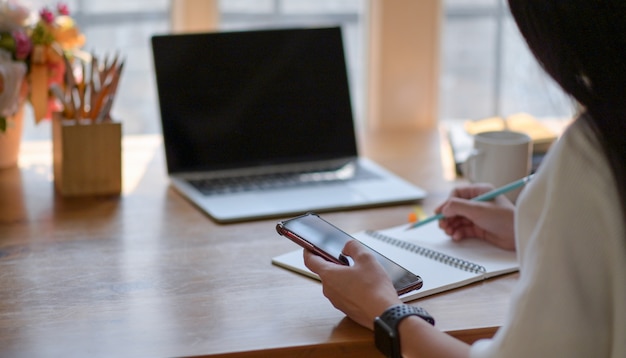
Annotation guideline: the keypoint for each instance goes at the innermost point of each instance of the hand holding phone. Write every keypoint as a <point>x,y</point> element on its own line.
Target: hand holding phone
<point>321,237</point>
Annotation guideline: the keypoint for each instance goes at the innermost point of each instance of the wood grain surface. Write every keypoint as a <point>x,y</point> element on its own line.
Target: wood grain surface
<point>146,274</point>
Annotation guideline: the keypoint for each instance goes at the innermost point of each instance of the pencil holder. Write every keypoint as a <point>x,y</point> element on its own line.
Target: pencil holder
<point>87,157</point>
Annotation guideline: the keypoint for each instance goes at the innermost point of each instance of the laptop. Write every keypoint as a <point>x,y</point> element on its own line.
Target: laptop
<point>259,124</point>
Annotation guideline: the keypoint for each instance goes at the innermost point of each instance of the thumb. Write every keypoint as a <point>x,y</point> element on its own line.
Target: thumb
<point>354,249</point>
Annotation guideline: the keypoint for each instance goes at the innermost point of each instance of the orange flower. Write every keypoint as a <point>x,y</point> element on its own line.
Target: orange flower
<point>41,45</point>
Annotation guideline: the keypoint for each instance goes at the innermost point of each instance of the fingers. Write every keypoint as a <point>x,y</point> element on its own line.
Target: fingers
<point>492,221</point>
<point>470,191</point>
<point>474,211</point>
<point>315,262</point>
<point>353,248</point>
<point>465,218</point>
<point>466,192</point>
<point>461,229</point>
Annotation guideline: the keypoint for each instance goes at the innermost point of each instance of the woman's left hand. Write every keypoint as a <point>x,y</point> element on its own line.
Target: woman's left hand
<point>362,291</point>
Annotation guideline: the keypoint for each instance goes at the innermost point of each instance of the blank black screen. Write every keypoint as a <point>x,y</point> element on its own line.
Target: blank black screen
<point>251,98</point>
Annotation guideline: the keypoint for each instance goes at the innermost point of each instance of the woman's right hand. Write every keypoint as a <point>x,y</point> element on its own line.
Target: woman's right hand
<point>491,221</point>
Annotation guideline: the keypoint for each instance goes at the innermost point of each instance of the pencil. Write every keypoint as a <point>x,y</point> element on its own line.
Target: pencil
<point>483,197</point>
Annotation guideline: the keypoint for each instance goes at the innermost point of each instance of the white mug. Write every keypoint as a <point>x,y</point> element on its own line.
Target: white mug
<point>499,158</point>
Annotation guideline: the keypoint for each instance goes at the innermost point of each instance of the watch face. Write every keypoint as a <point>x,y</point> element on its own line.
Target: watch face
<point>384,337</point>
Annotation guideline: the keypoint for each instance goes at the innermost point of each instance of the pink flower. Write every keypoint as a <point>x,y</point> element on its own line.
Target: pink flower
<point>46,15</point>
<point>63,9</point>
<point>23,45</point>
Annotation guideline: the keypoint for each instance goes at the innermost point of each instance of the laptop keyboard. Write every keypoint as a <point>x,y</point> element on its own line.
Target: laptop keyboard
<point>227,185</point>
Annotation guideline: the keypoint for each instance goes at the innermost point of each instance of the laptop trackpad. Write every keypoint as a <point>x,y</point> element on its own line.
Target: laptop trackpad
<point>272,201</point>
<point>332,195</point>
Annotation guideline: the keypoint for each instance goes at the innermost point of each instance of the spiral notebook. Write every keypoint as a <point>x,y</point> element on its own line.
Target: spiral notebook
<point>428,252</point>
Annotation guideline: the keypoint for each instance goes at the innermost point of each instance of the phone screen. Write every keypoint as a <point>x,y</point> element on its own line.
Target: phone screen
<point>316,234</point>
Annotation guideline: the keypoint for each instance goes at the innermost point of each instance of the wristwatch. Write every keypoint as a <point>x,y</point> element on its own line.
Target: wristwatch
<point>386,327</point>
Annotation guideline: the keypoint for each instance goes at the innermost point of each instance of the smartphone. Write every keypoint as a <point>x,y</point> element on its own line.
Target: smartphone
<point>324,239</point>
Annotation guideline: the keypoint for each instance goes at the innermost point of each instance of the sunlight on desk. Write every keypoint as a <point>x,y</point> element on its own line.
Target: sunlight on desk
<point>137,152</point>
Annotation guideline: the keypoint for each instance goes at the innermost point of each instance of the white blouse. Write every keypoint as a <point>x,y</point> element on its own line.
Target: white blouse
<point>570,300</point>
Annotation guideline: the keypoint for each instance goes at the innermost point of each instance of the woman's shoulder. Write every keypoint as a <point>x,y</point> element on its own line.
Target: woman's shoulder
<point>574,188</point>
<point>577,159</point>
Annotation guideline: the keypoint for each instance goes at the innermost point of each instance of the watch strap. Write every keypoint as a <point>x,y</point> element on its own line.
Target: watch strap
<point>398,312</point>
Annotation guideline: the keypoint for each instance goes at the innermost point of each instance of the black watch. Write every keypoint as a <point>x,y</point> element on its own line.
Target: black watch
<point>386,327</point>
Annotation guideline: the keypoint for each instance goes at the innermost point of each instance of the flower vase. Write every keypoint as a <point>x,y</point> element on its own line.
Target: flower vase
<point>10,139</point>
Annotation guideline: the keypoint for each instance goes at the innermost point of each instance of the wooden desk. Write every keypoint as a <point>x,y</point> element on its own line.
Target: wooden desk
<point>146,274</point>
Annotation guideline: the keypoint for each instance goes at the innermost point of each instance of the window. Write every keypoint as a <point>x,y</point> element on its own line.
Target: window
<point>487,69</point>
<point>124,27</point>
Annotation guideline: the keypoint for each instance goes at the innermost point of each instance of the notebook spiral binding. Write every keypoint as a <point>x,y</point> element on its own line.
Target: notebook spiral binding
<point>429,253</point>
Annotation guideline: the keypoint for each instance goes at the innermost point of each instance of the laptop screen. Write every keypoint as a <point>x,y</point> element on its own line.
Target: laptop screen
<point>253,98</point>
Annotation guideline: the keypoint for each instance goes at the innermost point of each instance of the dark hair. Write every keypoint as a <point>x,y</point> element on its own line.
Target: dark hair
<point>581,44</point>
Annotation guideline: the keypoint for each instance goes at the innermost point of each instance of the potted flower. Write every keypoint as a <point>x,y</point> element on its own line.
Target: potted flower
<point>32,50</point>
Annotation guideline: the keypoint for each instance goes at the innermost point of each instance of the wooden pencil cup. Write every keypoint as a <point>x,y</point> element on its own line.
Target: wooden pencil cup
<point>87,158</point>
